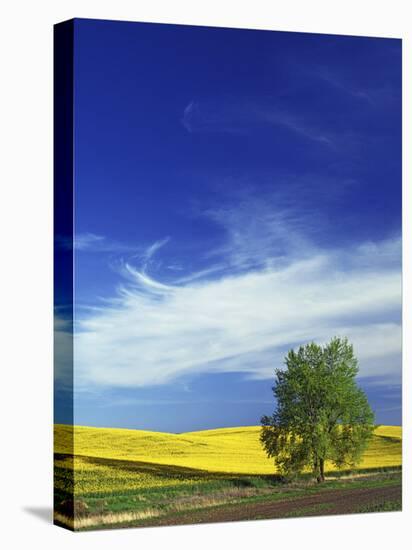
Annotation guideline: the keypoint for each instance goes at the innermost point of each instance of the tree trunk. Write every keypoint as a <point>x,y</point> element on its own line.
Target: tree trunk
<point>316,469</point>
<point>321,477</point>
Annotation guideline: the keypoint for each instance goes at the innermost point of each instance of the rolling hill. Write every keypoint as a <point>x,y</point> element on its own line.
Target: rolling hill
<point>226,450</point>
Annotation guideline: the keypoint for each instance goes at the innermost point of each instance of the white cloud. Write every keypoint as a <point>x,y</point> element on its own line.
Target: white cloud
<point>63,352</point>
<point>287,292</point>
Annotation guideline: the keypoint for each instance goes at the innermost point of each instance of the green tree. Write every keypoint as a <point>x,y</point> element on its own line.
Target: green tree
<point>321,414</point>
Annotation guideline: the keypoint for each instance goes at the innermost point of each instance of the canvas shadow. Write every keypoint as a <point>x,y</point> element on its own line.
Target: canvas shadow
<point>44,513</point>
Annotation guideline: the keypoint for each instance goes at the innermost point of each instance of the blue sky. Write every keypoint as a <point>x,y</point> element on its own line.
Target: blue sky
<point>237,194</point>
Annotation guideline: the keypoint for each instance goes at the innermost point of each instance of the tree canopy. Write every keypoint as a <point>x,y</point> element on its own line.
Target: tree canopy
<point>321,414</point>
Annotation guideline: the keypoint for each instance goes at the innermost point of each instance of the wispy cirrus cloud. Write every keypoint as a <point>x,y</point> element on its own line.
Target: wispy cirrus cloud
<point>338,82</point>
<point>243,116</point>
<point>269,288</point>
<point>260,235</point>
<point>374,95</point>
<point>88,241</point>
<point>91,242</point>
<point>146,255</point>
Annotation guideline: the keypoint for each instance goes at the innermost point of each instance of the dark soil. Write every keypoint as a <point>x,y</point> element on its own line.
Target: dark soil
<point>326,502</point>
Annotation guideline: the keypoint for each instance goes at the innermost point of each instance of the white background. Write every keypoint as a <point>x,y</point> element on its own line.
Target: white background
<point>26,270</point>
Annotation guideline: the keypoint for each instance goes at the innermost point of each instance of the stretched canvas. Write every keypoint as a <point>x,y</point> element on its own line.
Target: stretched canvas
<point>227,274</point>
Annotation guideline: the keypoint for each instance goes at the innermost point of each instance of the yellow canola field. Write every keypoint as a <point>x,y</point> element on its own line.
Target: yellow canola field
<point>95,478</point>
<point>226,450</point>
